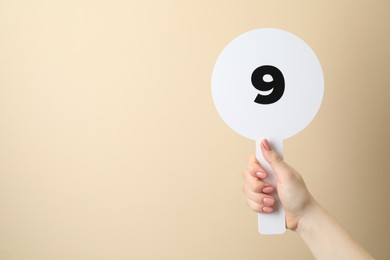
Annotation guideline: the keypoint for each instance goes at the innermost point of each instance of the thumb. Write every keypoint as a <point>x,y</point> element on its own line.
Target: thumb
<point>270,155</point>
<point>281,169</point>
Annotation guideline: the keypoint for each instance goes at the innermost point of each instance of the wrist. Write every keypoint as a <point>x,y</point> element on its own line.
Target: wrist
<point>308,216</point>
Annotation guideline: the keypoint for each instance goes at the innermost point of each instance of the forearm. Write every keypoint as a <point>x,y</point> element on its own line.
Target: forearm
<point>326,238</point>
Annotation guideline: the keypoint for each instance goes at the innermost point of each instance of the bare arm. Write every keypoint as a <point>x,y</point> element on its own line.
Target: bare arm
<point>326,238</point>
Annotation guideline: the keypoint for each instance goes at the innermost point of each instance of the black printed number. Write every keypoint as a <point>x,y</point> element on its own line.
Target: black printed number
<point>276,84</point>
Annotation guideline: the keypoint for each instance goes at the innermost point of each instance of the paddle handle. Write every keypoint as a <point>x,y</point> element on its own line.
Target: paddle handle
<point>271,223</point>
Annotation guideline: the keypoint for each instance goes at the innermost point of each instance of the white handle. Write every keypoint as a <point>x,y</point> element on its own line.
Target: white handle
<point>271,223</point>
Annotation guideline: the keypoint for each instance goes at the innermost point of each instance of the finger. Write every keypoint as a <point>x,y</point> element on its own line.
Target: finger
<point>255,168</point>
<point>259,198</point>
<point>279,166</point>
<point>255,184</point>
<point>259,208</point>
<point>270,155</point>
<point>273,158</point>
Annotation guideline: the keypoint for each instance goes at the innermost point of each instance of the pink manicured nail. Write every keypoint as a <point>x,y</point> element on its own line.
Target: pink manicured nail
<point>268,189</point>
<point>268,209</point>
<point>261,175</point>
<point>266,145</point>
<point>268,201</point>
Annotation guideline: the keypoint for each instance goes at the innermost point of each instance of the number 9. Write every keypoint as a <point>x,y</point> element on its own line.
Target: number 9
<point>276,84</point>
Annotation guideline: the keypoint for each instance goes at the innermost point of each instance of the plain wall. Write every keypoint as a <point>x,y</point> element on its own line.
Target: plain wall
<point>111,148</point>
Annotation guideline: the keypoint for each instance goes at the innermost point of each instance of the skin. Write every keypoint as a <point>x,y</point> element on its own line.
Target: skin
<point>324,236</point>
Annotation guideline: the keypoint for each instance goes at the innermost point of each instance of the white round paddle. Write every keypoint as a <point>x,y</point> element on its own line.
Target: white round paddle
<point>268,83</point>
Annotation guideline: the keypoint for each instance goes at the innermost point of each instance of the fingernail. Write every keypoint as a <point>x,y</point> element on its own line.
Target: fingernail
<point>268,189</point>
<point>268,209</point>
<point>266,145</point>
<point>261,175</point>
<point>268,201</point>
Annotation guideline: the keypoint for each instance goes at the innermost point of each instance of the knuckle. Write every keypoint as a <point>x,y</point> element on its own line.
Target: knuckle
<point>277,158</point>
<point>257,187</point>
<point>258,208</point>
<point>254,206</point>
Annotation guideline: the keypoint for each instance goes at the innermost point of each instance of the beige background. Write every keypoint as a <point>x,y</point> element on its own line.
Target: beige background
<point>110,146</point>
